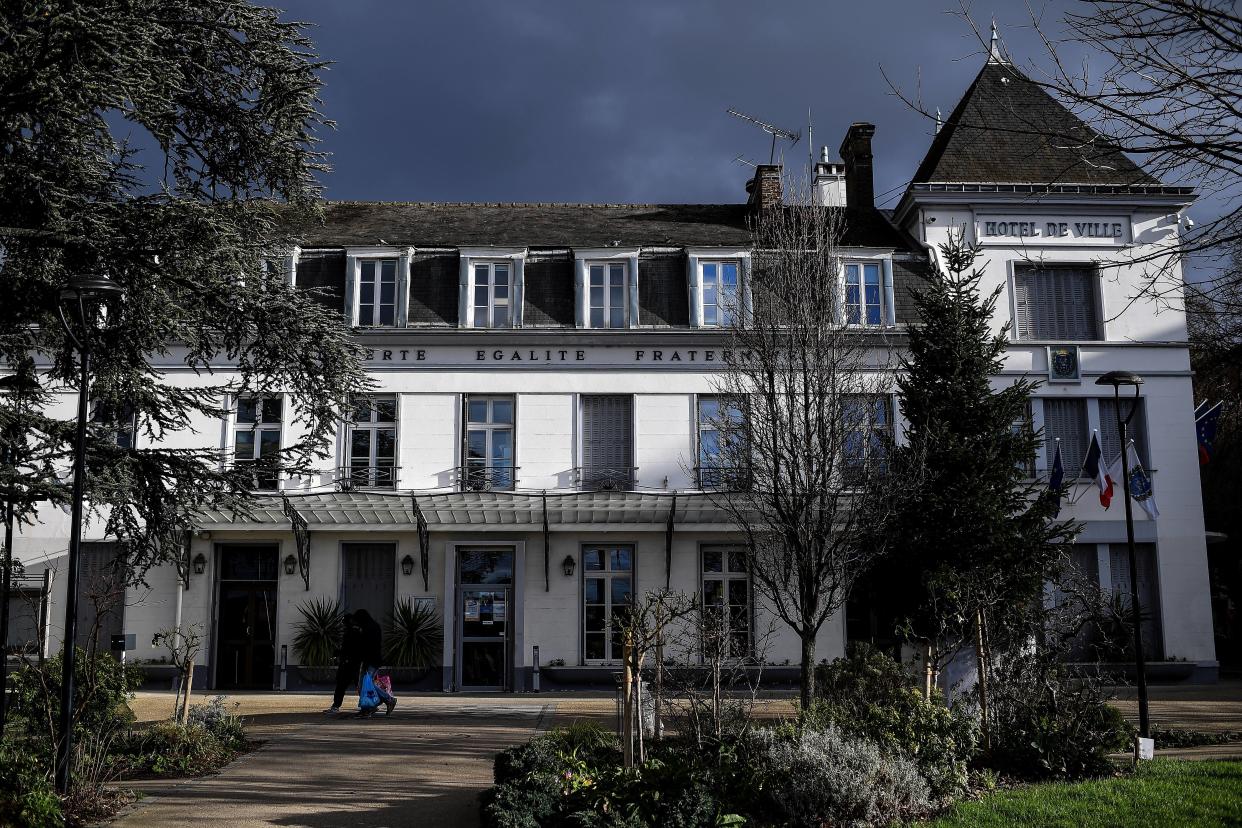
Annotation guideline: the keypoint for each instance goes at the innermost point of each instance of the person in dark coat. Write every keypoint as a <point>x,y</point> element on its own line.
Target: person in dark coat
<point>371,649</point>
<point>349,660</point>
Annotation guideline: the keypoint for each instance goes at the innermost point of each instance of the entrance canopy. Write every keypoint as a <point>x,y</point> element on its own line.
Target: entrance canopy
<point>473,511</point>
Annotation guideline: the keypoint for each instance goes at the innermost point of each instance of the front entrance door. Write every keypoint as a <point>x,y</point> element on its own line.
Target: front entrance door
<point>484,614</point>
<point>246,620</point>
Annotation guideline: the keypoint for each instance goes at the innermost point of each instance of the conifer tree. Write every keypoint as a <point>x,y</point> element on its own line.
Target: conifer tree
<point>974,534</point>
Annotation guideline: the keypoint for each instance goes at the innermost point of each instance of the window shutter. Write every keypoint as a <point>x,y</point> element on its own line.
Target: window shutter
<point>518,293</point>
<point>692,285</point>
<point>606,432</point>
<point>464,317</point>
<point>580,293</point>
<point>351,290</point>
<point>1066,419</point>
<point>403,287</point>
<point>1022,305</point>
<point>632,265</point>
<point>890,311</point>
<point>744,286</point>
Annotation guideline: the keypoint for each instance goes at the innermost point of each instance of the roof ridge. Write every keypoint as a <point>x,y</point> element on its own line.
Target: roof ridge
<point>532,204</point>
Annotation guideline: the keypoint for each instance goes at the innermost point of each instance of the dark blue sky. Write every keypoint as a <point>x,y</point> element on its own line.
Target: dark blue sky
<point>583,100</point>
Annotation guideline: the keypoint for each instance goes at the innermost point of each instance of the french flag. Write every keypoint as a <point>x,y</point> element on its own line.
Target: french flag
<point>1095,470</point>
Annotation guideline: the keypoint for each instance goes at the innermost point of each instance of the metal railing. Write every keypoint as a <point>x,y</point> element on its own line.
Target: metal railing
<point>606,478</point>
<point>724,478</point>
<point>480,478</point>
<point>351,478</point>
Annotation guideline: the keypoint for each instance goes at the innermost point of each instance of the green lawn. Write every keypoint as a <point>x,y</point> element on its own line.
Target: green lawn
<point>1165,792</point>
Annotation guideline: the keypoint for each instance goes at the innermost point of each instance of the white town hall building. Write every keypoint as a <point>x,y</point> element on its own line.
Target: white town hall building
<point>538,440</point>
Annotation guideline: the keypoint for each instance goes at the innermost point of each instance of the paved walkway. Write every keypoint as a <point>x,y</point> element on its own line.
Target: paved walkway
<point>423,766</point>
<point>426,764</point>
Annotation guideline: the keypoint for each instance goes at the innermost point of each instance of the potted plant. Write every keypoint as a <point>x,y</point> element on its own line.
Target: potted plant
<point>316,638</point>
<point>412,640</point>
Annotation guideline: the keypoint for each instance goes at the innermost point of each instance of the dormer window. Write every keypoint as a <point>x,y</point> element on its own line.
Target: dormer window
<point>719,292</point>
<point>609,294</point>
<point>492,293</point>
<point>864,301</point>
<point>377,293</point>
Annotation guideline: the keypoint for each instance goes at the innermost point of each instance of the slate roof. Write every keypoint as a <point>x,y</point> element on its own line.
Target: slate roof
<point>422,224</point>
<point>1007,129</point>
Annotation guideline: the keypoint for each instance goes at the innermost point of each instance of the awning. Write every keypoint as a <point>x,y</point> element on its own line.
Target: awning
<point>479,511</point>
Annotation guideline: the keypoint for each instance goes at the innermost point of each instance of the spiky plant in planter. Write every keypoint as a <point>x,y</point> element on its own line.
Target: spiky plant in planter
<point>413,637</point>
<point>318,635</point>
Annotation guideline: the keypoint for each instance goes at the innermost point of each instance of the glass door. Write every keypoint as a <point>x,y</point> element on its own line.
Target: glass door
<point>484,658</point>
<point>245,648</point>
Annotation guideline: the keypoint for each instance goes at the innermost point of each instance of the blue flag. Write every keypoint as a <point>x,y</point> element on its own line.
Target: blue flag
<point>1205,428</point>
<point>1057,478</point>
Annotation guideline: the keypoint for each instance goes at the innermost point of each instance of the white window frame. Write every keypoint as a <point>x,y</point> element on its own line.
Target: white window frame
<point>489,427</point>
<point>126,423</point>
<point>724,577</point>
<point>354,257</point>
<point>583,259</point>
<point>697,257</point>
<point>863,305</point>
<point>869,429</point>
<point>259,427</point>
<point>469,257</point>
<point>373,426</point>
<point>700,426</point>
<point>493,301</point>
<point>607,575</point>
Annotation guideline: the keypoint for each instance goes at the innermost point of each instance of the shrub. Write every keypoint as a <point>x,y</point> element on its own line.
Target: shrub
<point>825,777</point>
<point>216,718</point>
<point>27,798</point>
<point>1049,724</point>
<point>103,689</point>
<point>527,803</point>
<point>414,636</point>
<point>868,694</point>
<point>209,740</point>
<point>318,635</point>
<point>559,751</point>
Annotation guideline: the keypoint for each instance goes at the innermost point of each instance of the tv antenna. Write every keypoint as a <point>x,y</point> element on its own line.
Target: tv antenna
<point>742,159</point>
<point>774,131</point>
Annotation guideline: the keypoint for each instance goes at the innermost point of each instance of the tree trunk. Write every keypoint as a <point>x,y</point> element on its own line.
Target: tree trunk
<point>981,662</point>
<point>807,670</point>
<point>929,677</point>
<point>627,707</point>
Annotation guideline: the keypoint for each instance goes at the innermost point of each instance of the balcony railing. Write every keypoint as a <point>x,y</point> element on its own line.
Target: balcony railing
<point>350,478</point>
<point>606,478</point>
<point>724,478</point>
<point>486,478</point>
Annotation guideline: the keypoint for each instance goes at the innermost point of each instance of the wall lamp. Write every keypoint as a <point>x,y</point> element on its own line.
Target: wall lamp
<point>567,566</point>
<point>199,563</point>
<point>291,564</point>
<point>407,565</point>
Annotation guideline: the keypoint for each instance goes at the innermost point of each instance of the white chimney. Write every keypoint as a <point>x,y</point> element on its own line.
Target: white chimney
<point>829,180</point>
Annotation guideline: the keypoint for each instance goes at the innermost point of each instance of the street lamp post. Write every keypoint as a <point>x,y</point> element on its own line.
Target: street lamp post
<point>1117,379</point>
<point>82,296</point>
<point>19,385</point>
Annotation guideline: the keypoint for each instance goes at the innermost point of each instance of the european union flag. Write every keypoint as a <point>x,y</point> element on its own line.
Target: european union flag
<point>1205,428</point>
<point>1057,478</point>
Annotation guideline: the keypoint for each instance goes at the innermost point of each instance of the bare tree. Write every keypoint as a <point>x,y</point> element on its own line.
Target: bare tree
<point>801,423</point>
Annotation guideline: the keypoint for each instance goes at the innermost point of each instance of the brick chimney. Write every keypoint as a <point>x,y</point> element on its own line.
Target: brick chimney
<point>859,177</point>
<point>765,187</point>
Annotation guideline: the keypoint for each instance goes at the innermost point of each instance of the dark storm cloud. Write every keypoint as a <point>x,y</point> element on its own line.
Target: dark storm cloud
<point>624,101</point>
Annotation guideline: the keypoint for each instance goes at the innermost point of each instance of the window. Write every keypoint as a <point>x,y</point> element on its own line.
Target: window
<point>720,294</point>
<point>377,293</point>
<point>1066,420</point>
<point>722,461</point>
<point>256,438</point>
<point>607,593</point>
<point>1148,592</point>
<point>726,602</point>
<point>1110,436</point>
<point>868,425</point>
<point>862,294</point>
<point>119,422</point>
<point>493,291</point>
<point>607,442</point>
<point>488,462</point>
<point>373,443</point>
<point>1055,303</point>
<point>1024,425</point>
<point>609,295</point>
